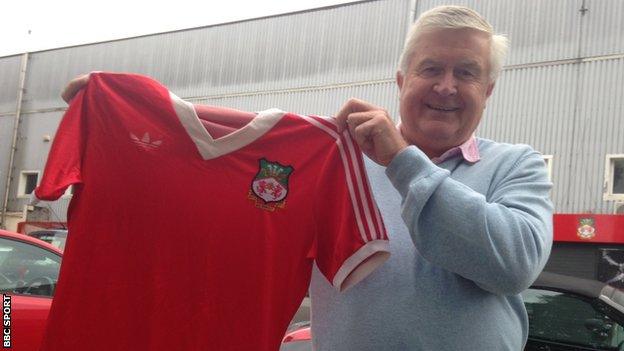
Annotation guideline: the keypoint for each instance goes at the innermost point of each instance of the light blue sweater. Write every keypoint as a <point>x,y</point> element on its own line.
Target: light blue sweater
<point>465,240</point>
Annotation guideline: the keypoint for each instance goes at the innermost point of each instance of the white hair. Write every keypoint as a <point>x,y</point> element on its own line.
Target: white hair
<point>455,17</point>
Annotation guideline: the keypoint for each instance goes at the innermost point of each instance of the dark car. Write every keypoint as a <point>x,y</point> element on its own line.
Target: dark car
<point>565,314</point>
<point>568,313</point>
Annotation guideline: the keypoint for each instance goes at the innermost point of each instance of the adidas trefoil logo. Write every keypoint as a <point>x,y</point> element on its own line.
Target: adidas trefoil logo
<point>145,141</point>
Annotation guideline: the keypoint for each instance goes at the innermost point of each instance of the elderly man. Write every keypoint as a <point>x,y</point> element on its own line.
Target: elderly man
<point>469,219</point>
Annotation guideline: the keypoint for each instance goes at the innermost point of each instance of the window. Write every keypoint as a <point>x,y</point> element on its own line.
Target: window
<point>27,183</point>
<point>548,159</point>
<point>56,237</point>
<point>614,177</point>
<point>618,176</point>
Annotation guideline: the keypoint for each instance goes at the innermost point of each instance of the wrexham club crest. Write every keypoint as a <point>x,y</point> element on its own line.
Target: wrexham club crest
<point>270,186</point>
<point>586,229</point>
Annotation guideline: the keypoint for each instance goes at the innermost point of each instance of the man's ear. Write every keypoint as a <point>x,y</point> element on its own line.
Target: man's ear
<point>490,89</point>
<point>399,79</point>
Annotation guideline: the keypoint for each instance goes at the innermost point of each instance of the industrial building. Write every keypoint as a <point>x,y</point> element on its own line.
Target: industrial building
<point>561,91</point>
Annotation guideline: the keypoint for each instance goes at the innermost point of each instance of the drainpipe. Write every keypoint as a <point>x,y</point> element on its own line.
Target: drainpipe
<point>414,5</point>
<point>18,112</point>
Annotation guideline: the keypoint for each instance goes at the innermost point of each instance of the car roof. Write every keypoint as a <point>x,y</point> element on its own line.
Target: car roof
<point>580,286</point>
<point>30,240</point>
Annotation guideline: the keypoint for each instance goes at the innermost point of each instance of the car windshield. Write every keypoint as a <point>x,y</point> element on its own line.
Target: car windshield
<point>57,239</point>
<point>571,320</point>
<point>27,269</point>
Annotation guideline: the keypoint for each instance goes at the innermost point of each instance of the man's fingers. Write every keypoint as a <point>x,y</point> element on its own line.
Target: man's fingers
<point>355,119</point>
<point>373,130</point>
<point>352,105</point>
<point>376,135</point>
<point>364,133</point>
<point>74,86</point>
<point>342,115</point>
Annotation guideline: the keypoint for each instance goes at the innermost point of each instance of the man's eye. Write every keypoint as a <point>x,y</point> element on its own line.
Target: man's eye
<point>466,73</point>
<point>429,70</point>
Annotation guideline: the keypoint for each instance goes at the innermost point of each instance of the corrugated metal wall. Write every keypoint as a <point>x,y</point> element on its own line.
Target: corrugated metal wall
<point>353,43</point>
<point>535,106</point>
<point>9,80</point>
<point>319,101</point>
<point>9,84</point>
<point>603,28</point>
<point>558,92</point>
<point>6,129</point>
<point>599,131</point>
<point>571,111</point>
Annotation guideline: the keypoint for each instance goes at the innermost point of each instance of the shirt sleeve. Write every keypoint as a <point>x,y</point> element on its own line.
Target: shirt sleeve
<point>351,240</point>
<point>501,242</point>
<point>63,167</point>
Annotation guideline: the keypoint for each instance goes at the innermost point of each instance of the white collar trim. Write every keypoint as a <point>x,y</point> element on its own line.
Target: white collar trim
<point>211,148</point>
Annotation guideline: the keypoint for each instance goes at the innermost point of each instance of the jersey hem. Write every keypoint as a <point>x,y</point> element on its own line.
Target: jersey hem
<point>362,263</point>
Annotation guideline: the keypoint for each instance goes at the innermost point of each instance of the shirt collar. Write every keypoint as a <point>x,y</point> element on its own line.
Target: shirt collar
<point>469,151</point>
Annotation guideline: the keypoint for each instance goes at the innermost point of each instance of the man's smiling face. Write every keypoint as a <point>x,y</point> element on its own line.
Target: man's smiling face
<point>444,90</point>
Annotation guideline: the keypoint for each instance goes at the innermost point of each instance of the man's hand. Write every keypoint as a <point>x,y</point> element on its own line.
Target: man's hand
<point>372,129</point>
<point>74,86</point>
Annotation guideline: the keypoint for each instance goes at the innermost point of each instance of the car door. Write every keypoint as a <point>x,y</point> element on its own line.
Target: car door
<point>28,275</point>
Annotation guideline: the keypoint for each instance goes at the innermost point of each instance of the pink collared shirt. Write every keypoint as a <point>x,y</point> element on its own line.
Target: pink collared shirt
<point>469,151</point>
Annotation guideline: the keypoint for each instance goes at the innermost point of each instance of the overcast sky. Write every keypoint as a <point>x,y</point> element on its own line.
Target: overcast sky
<point>32,25</point>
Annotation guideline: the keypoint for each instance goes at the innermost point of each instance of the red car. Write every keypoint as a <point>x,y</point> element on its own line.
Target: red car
<point>29,270</point>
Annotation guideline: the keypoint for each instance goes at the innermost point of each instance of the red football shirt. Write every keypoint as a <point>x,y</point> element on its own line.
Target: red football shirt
<point>182,241</point>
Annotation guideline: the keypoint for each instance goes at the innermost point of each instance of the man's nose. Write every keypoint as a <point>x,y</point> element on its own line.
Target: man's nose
<point>446,85</point>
